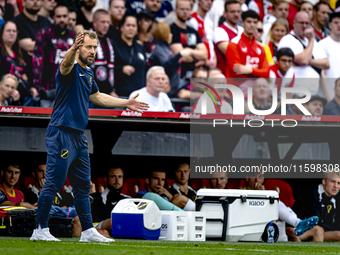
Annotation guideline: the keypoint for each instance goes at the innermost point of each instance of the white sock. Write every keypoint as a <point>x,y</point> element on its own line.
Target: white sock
<point>287,215</point>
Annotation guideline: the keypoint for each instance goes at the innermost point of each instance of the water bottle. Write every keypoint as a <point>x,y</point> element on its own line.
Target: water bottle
<point>270,232</point>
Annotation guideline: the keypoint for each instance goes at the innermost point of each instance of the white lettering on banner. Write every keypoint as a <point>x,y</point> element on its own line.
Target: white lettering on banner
<point>254,117</point>
<point>195,116</point>
<point>131,113</point>
<point>238,100</point>
<point>254,122</point>
<point>59,56</point>
<point>311,118</point>
<point>184,116</point>
<point>11,109</point>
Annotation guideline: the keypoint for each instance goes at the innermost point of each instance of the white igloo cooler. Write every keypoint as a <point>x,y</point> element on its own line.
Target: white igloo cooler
<point>136,218</point>
<point>237,215</point>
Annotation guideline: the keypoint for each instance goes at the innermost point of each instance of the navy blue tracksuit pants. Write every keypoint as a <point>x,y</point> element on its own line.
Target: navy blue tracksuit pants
<point>67,155</point>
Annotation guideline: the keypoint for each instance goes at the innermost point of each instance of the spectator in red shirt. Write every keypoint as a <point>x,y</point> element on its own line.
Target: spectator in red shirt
<point>281,74</point>
<point>227,31</point>
<point>9,196</point>
<point>320,17</point>
<point>246,57</point>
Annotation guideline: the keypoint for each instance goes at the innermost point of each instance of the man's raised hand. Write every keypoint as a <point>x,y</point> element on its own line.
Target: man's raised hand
<point>79,41</point>
<point>135,105</point>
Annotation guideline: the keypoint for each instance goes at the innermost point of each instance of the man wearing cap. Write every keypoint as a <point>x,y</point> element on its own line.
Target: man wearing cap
<point>315,105</point>
<point>145,21</point>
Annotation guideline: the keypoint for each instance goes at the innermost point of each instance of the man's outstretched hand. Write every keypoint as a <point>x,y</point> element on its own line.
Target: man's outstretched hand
<point>135,105</point>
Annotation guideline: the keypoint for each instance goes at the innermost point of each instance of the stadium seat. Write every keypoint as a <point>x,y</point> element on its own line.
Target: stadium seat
<point>233,184</point>
<point>28,182</point>
<point>169,183</point>
<point>283,188</point>
<point>143,184</point>
<point>131,186</point>
<point>197,184</point>
<point>66,184</point>
<point>100,184</point>
<point>24,182</point>
<point>242,184</point>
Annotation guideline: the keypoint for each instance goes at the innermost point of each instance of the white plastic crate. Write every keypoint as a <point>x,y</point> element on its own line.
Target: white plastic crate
<point>196,226</point>
<point>174,226</point>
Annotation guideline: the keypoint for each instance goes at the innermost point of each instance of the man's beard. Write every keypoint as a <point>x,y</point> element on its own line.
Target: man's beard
<point>89,7</point>
<point>115,21</point>
<point>182,20</point>
<point>60,29</point>
<point>32,11</point>
<point>84,60</point>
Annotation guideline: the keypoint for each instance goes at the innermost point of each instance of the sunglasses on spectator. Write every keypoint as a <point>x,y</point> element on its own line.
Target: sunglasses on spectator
<point>260,30</point>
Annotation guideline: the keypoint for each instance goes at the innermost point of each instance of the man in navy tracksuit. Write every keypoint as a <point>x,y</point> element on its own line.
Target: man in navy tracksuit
<point>66,144</point>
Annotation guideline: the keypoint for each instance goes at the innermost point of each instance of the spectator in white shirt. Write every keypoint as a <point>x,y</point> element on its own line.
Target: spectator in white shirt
<point>309,58</point>
<point>152,93</point>
<point>331,46</point>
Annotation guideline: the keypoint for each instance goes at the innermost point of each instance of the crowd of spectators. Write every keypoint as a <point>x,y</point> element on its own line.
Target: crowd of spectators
<point>241,39</point>
<point>314,217</point>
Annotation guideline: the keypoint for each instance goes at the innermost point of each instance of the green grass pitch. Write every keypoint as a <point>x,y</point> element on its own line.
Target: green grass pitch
<point>23,246</point>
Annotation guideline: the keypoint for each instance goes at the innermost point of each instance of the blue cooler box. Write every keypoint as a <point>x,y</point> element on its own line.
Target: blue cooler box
<point>136,218</point>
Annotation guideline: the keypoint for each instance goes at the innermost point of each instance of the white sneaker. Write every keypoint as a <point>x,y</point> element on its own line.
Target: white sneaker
<point>44,234</point>
<point>92,235</point>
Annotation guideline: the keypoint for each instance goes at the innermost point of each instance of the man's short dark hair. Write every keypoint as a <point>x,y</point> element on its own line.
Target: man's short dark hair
<point>71,9</point>
<point>58,6</point>
<point>198,69</point>
<point>336,81</point>
<point>285,52</point>
<point>333,16</point>
<point>127,15</point>
<point>155,171</point>
<point>316,7</point>
<point>8,164</point>
<point>227,3</point>
<point>100,12</point>
<point>114,167</point>
<point>250,14</point>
